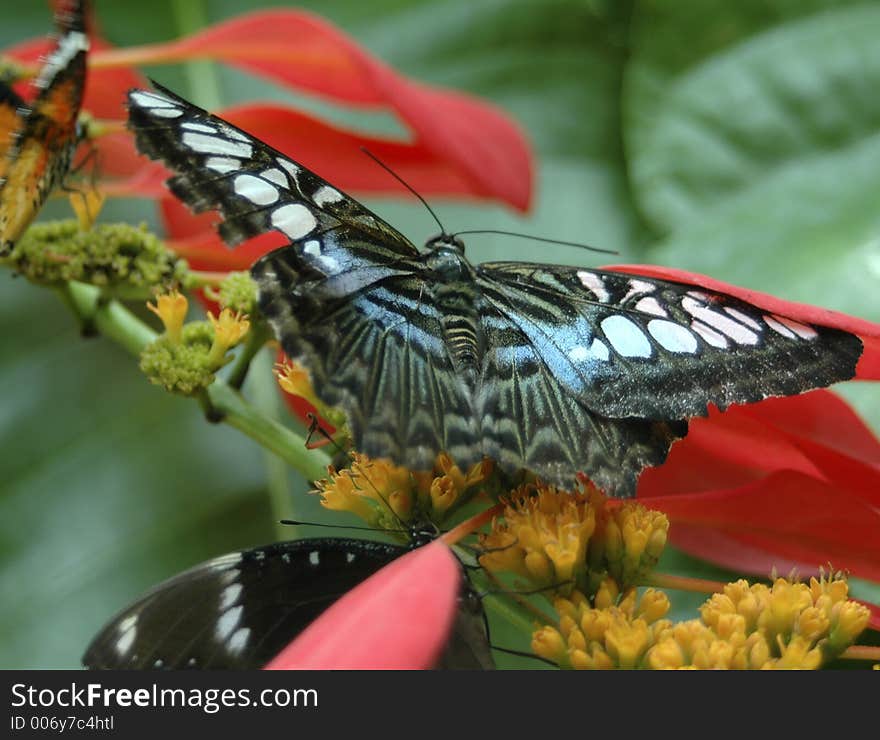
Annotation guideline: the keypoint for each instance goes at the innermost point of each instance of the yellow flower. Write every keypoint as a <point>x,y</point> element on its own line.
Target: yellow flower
<point>543,537</point>
<point>229,329</point>
<point>294,379</point>
<point>87,205</point>
<point>171,308</point>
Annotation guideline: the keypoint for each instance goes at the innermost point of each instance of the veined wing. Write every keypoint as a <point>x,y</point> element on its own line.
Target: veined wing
<point>373,342</point>
<point>255,187</point>
<point>633,346</point>
<point>12,109</point>
<point>528,419</point>
<point>41,150</point>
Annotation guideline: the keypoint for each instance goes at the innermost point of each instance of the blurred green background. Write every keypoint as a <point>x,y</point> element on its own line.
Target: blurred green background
<point>737,139</point>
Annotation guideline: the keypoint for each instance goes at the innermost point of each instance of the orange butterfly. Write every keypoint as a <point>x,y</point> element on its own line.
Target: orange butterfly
<point>38,140</point>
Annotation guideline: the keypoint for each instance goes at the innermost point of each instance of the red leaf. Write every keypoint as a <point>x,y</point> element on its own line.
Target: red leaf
<point>398,618</point>
<point>484,147</point>
<point>869,332</point>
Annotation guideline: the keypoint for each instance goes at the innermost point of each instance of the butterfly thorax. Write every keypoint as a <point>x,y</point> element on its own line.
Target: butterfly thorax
<point>454,286</point>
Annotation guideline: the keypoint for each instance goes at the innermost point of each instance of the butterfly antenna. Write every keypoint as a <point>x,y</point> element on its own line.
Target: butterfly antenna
<point>298,523</point>
<point>405,184</point>
<point>537,239</point>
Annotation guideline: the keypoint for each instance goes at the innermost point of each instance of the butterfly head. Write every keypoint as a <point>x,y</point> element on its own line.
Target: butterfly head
<point>446,258</point>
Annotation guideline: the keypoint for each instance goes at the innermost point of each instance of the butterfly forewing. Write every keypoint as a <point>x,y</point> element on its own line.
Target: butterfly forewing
<point>255,187</point>
<point>239,610</point>
<point>632,346</point>
<point>554,369</point>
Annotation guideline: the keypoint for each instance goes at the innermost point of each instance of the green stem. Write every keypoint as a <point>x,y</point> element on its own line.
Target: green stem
<point>257,337</point>
<point>191,16</point>
<point>109,317</point>
<point>116,322</point>
<point>272,435</point>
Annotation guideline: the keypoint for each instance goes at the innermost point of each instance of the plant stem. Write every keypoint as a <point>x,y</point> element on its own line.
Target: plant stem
<point>191,16</point>
<point>116,322</point>
<point>683,583</point>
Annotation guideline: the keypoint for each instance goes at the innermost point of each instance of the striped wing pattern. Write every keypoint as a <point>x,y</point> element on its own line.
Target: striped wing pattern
<point>39,150</point>
<point>549,368</point>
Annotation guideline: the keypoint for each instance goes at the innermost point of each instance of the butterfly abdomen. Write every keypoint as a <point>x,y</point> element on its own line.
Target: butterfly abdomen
<point>455,293</point>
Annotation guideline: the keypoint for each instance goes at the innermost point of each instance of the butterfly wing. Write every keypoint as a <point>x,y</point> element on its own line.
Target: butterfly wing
<point>237,611</point>
<point>42,148</point>
<point>240,610</point>
<point>633,346</point>
<point>346,298</point>
<point>255,187</point>
<point>11,121</point>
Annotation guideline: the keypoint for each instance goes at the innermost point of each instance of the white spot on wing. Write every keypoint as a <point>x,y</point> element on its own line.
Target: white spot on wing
<point>802,330</point>
<point>233,134</point>
<point>166,112</point>
<point>275,175</point>
<point>228,622</point>
<point>147,99</point>
<point>650,305</point>
<point>598,350</point>
<point>710,335</point>
<point>223,164</point>
<point>636,287</point>
<point>312,247</point>
<point>626,337</point>
<point>127,629</point>
<point>350,557</point>
<point>672,337</point>
<point>229,595</point>
<point>294,220</point>
<point>592,282</point>
<point>69,46</point>
<point>255,189</point>
<point>216,145</point>
<point>741,317</point>
<point>718,321</point>
<point>239,640</point>
<point>315,557</point>
<point>325,195</point>
<point>193,126</point>
<point>779,327</point>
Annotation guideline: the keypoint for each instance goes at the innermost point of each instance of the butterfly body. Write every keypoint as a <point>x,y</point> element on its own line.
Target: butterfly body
<point>549,368</point>
<point>240,610</point>
<point>40,138</point>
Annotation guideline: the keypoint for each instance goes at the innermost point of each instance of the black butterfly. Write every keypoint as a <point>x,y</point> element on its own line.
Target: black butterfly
<point>37,141</point>
<point>240,610</point>
<point>550,368</point>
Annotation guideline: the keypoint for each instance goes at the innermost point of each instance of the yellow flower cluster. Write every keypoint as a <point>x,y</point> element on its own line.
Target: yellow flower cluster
<point>386,495</point>
<point>615,633</point>
<point>185,358</point>
<point>567,541</point>
<point>782,626</point>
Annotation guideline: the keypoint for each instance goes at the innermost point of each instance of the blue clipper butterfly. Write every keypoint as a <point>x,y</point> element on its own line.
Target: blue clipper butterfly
<point>240,610</point>
<point>38,140</point>
<point>548,368</point>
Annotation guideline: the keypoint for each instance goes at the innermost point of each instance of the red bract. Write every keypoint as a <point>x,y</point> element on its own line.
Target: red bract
<point>459,145</point>
<point>399,618</point>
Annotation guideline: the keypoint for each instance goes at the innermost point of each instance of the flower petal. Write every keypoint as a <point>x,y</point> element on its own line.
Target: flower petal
<point>869,332</point>
<point>399,618</point>
<point>484,147</point>
<point>783,519</point>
